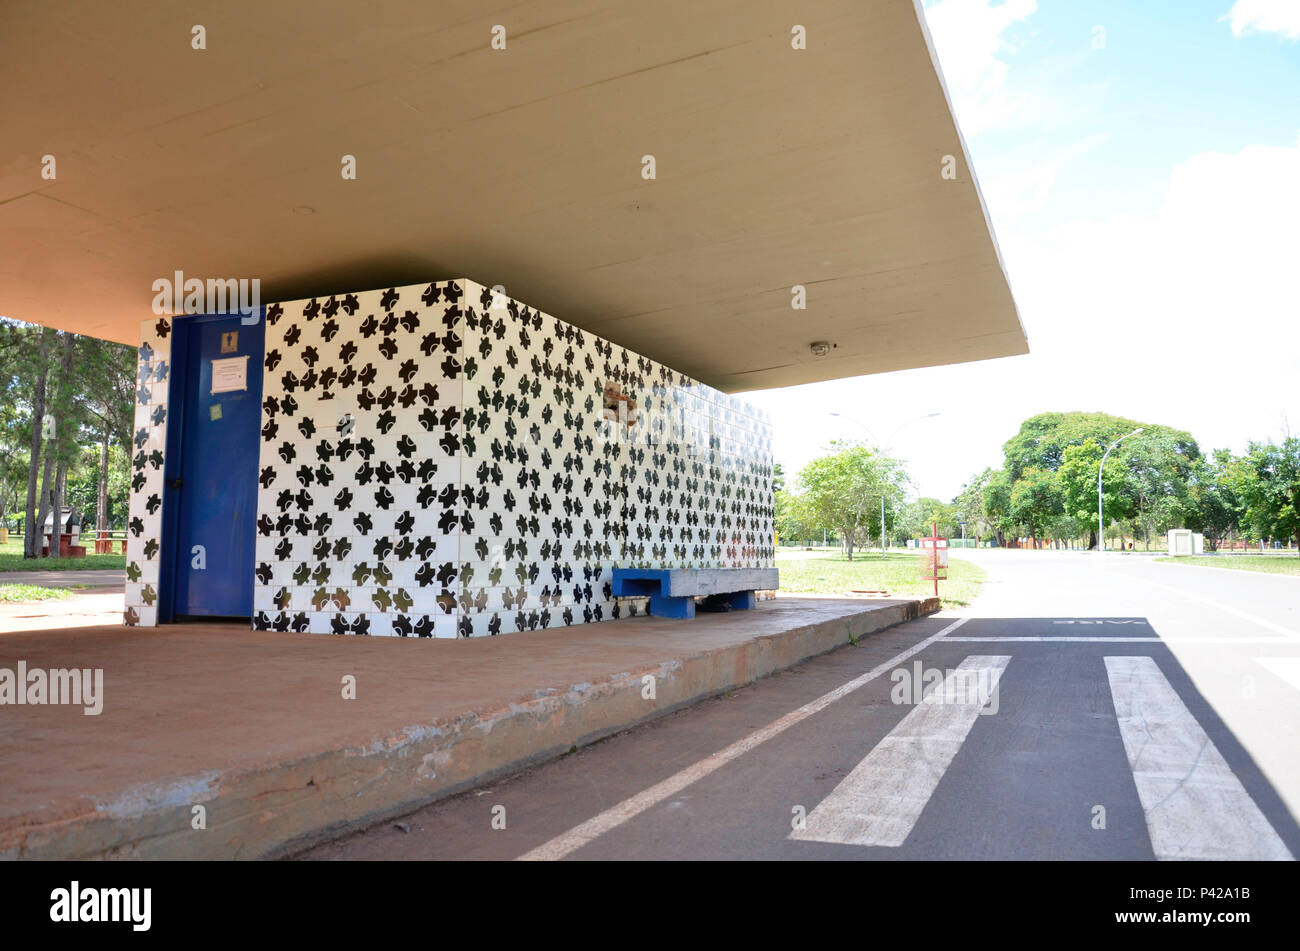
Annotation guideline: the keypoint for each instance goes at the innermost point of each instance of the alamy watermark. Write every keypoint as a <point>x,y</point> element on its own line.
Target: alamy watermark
<point>933,685</point>
<point>77,904</point>
<point>179,294</point>
<point>62,686</point>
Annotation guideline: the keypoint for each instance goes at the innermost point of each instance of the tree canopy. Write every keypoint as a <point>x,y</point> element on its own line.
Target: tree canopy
<point>1268,482</point>
<point>68,409</point>
<point>1046,489</point>
<point>842,491</point>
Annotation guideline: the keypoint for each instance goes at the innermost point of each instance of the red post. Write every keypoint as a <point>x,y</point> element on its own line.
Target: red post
<point>933,556</point>
<point>934,530</point>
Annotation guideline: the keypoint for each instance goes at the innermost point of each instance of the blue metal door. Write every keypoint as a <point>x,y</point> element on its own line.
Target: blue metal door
<point>212,454</point>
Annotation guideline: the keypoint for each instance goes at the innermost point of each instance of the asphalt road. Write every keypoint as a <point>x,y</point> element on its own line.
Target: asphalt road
<point>1088,707</point>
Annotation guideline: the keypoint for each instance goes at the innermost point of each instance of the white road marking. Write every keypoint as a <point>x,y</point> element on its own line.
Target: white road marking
<point>1123,640</point>
<point>1284,668</point>
<point>1116,622</point>
<point>1051,640</point>
<point>1281,641</point>
<point>568,842</point>
<point>1195,806</point>
<point>881,800</point>
<point>1227,608</point>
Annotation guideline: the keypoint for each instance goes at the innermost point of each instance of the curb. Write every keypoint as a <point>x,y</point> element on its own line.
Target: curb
<point>277,811</point>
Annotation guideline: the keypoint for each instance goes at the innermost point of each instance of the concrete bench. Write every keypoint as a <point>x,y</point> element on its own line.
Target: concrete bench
<point>672,591</point>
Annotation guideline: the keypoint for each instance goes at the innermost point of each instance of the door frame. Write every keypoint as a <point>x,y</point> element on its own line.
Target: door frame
<point>174,449</point>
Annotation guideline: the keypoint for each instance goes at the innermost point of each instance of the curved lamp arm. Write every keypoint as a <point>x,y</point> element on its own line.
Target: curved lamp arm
<point>1101,524</point>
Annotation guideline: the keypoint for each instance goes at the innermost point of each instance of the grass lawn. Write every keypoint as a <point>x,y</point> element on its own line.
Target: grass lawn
<point>11,559</point>
<point>827,572</point>
<point>18,593</point>
<point>1271,564</point>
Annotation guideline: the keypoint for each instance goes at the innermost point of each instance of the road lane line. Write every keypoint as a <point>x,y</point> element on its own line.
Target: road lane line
<point>1122,640</point>
<point>881,800</point>
<point>1195,806</point>
<point>1067,640</point>
<point>568,842</point>
<point>1284,668</point>
<point>1244,615</point>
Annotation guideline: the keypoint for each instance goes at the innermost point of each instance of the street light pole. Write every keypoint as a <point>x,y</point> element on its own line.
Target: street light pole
<point>1101,524</point>
<point>882,450</point>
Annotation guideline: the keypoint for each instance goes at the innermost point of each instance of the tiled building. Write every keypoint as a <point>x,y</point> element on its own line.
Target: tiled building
<point>755,201</point>
<point>432,460</point>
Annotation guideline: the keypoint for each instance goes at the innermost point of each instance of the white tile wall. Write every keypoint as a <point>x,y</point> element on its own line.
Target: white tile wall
<point>148,445</point>
<point>479,489</point>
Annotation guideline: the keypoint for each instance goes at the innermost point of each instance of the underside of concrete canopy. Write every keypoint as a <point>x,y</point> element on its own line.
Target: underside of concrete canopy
<point>523,166</point>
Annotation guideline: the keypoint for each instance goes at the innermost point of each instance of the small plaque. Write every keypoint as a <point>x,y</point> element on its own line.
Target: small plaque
<point>230,375</point>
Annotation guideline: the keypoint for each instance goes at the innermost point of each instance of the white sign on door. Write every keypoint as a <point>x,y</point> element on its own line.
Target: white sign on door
<point>230,374</point>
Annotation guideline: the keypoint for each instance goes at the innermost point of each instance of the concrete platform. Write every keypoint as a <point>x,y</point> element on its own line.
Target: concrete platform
<point>253,726</point>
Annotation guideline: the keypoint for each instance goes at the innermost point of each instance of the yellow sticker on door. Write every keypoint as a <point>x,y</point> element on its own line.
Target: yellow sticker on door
<point>214,411</point>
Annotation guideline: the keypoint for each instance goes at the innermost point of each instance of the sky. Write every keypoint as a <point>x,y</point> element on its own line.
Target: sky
<point>1141,166</point>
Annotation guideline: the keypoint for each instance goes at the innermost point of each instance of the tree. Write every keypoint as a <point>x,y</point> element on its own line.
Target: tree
<point>795,518</point>
<point>917,519</point>
<point>1037,500</point>
<point>844,490</point>
<point>68,409</point>
<point>997,503</point>
<point>976,502</point>
<point>1271,488</point>
<point>1045,490</point>
<point>1078,475</point>
<point>1061,529</point>
<point>1043,439</point>
<point>41,370</point>
<point>108,375</point>
<point>56,461</point>
<point>1161,463</point>
<point>1216,506</point>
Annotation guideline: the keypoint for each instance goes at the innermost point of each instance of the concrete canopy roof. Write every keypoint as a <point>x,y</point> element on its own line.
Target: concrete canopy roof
<point>520,167</point>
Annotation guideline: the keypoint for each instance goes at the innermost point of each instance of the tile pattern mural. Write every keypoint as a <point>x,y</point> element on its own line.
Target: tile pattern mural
<point>439,460</point>
<point>148,444</point>
<point>359,502</point>
<point>559,489</point>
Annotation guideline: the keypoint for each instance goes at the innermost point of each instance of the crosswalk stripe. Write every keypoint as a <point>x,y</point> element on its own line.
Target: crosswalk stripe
<point>1195,806</point>
<point>569,842</point>
<point>1283,668</point>
<point>879,802</point>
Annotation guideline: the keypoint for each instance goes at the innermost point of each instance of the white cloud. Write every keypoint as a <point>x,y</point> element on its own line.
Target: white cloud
<point>1187,316</point>
<point>1025,188</point>
<point>1265,16</point>
<point>968,37</point>
<point>1207,278</point>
